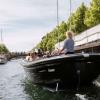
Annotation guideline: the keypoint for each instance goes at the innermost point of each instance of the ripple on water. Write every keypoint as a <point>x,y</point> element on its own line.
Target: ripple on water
<point>10,82</point>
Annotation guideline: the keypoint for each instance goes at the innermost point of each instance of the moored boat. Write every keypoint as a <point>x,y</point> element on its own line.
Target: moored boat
<point>65,70</point>
<point>3,59</point>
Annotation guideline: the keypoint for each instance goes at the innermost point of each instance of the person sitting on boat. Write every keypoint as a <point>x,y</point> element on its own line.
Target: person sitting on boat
<point>32,56</point>
<point>55,52</point>
<point>35,56</point>
<point>40,54</point>
<point>47,54</point>
<point>68,46</point>
<point>28,57</point>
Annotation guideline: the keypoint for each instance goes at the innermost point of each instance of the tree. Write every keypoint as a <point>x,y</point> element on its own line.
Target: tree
<point>61,31</point>
<point>48,42</point>
<point>3,49</point>
<point>77,19</point>
<point>92,16</point>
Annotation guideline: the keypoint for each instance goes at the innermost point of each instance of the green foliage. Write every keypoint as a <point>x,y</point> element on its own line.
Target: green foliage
<point>3,49</point>
<point>48,42</point>
<point>92,17</point>
<point>77,20</point>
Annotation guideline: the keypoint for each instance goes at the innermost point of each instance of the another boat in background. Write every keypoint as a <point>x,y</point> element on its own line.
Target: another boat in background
<point>3,59</point>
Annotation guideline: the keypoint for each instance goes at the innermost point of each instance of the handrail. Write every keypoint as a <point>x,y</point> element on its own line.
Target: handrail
<point>86,37</point>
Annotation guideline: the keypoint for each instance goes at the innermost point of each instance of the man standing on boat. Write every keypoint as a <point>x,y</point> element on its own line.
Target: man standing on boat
<point>68,46</point>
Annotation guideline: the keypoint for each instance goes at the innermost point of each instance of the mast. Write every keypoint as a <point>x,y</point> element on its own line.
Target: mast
<point>1,35</point>
<point>58,22</point>
<point>70,15</point>
<point>57,13</point>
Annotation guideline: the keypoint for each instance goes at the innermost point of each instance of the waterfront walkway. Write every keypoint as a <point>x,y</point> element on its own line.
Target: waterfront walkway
<point>89,40</point>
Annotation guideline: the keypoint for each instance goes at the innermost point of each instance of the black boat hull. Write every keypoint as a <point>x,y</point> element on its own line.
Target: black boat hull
<point>67,70</point>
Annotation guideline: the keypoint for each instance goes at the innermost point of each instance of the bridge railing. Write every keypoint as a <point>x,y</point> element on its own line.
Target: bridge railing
<point>90,35</point>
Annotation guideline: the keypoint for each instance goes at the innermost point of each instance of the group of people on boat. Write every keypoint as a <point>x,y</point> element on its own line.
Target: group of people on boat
<point>68,48</point>
<point>31,56</point>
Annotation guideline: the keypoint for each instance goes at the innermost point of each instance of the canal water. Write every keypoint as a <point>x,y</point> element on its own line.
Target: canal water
<point>14,85</point>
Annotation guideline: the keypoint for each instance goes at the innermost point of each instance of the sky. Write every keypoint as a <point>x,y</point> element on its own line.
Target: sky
<point>25,22</point>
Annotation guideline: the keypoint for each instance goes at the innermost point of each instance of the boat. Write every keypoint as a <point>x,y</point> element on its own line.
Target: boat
<point>3,59</point>
<point>64,71</point>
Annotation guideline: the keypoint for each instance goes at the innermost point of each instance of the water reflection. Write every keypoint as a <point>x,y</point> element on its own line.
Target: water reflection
<point>38,93</point>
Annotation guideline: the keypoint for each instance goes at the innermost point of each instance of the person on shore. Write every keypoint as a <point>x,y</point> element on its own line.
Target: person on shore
<point>68,46</point>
